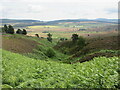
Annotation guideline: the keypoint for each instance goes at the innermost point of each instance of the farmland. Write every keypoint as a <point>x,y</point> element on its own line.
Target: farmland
<point>65,29</point>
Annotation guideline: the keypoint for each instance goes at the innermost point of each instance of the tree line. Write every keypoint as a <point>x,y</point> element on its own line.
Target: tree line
<point>10,30</point>
<point>76,39</point>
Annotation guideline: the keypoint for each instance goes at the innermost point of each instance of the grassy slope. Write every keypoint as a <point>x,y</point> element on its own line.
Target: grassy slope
<point>35,69</point>
<point>32,47</point>
<point>36,48</point>
<point>21,72</point>
<point>96,47</point>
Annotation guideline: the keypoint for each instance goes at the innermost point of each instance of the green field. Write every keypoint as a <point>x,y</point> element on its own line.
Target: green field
<point>43,26</point>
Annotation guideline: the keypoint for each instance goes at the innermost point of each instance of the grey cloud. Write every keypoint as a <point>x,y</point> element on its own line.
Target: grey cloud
<point>54,10</point>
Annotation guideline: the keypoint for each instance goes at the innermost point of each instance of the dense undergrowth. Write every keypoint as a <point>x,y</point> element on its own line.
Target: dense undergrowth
<point>23,72</point>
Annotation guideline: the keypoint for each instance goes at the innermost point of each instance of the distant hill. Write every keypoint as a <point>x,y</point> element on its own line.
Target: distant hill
<point>106,20</point>
<point>84,20</point>
<point>18,21</point>
<point>56,21</point>
<point>67,20</point>
<point>24,23</point>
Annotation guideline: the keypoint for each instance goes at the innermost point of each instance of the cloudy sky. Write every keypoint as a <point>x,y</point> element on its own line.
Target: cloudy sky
<point>58,9</point>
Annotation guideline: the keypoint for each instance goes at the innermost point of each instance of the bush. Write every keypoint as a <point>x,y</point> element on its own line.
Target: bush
<point>81,42</point>
<point>63,39</point>
<point>50,53</point>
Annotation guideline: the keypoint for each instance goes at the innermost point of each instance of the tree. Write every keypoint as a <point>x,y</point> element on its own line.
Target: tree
<point>24,32</point>
<point>81,42</point>
<point>49,38</point>
<point>49,35</point>
<point>10,29</point>
<point>19,31</point>
<point>74,37</point>
<point>37,35</point>
<point>5,28</point>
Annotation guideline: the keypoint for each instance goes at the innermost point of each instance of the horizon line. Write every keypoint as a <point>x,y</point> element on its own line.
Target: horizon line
<point>57,19</point>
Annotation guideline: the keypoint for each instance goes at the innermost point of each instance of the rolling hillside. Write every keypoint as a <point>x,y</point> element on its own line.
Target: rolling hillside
<point>26,64</point>
<point>32,62</point>
<point>24,23</point>
<point>23,72</point>
<point>17,44</point>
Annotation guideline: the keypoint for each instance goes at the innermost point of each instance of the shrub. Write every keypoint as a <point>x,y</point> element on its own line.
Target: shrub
<point>81,42</point>
<point>63,39</point>
<point>50,53</point>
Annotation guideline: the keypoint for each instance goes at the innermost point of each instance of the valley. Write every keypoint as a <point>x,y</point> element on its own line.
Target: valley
<point>81,54</point>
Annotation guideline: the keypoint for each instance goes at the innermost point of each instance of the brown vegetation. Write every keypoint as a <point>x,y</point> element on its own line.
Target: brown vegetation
<point>18,45</point>
<point>95,44</point>
<point>90,57</point>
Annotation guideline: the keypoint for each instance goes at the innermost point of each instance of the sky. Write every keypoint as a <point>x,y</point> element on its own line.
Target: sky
<point>46,10</point>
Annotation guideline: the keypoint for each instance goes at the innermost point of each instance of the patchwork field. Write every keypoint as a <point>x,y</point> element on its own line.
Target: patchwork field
<point>66,29</point>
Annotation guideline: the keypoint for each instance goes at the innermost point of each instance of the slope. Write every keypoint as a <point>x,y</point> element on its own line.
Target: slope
<point>32,47</point>
<point>23,72</point>
<point>95,47</point>
<point>17,44</point>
